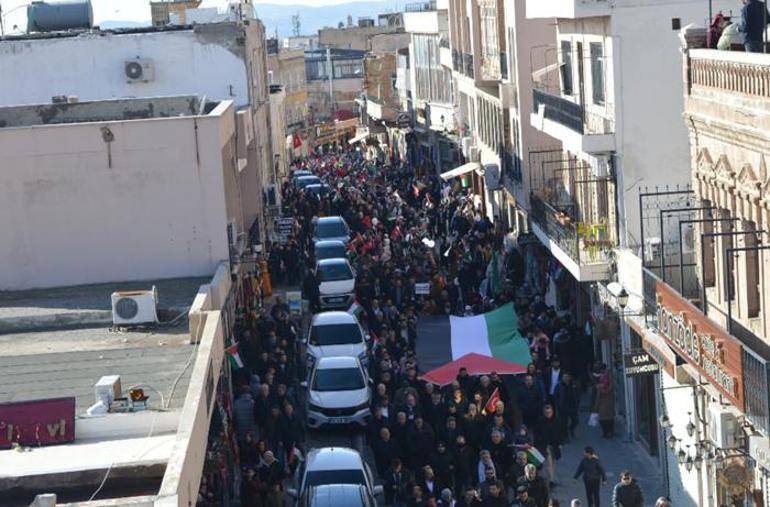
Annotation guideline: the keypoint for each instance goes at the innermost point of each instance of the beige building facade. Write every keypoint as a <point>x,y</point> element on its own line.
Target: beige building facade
<point>286,67</point>
<point>118,190</point>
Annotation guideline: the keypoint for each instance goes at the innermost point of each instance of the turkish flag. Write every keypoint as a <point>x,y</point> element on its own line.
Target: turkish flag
<point>297,141</point>
<point>490,407</point>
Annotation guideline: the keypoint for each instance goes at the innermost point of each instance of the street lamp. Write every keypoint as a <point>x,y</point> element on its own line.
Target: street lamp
<point>622,298</point>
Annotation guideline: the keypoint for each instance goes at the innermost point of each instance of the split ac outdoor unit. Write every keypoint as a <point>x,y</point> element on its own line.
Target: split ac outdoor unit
<point>722,427</point>
<point>135,307</point>
<point>138,71</point>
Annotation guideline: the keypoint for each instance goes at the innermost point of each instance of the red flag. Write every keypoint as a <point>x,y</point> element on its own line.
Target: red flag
<point>490,407</point>
<point>297,141</point>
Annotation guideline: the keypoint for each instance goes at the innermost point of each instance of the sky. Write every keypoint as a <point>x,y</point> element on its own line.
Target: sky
<point>131,10</point>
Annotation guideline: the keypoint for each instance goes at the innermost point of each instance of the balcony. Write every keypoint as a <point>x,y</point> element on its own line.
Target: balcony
<point>731,86</point>
<point>573,211</point>
<point>579,129</point>
<point>570,9</point>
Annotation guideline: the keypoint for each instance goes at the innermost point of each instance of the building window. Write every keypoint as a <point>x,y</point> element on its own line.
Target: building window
<point>566,67</point>
<point>434,82</point>
<point>597,72</point>
<point>489,47</point>
<point>347,69</point>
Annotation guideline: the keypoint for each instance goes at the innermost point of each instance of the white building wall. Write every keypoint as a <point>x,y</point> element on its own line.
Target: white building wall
<point>67,217</point>
<point>91,66</point>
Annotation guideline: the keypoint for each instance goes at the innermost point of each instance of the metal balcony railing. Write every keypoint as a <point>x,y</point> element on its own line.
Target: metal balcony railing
<point>560,110</point>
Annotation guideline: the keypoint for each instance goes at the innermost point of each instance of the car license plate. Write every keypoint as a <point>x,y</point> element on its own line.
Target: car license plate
<point>339,420</point>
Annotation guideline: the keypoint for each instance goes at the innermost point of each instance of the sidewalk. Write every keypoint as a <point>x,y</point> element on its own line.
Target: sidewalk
<point>616,456</point>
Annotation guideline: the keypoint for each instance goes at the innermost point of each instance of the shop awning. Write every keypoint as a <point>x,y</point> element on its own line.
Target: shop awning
<point>459,171</point>
<point>359,137</point>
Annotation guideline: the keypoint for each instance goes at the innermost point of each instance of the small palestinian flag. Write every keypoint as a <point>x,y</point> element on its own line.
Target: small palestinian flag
<point>235,358</point>
<point>356,309</point>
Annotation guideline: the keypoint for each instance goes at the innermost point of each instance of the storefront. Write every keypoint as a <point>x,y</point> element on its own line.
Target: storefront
<point>716,446</point>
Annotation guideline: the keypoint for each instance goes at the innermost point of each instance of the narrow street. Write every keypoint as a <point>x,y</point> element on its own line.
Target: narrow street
<point>432,218</point>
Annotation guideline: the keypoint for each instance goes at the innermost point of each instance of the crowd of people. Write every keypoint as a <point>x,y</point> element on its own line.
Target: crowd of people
<point>480,441</point>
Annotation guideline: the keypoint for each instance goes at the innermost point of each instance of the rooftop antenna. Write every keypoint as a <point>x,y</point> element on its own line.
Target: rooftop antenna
<point>295,25</point>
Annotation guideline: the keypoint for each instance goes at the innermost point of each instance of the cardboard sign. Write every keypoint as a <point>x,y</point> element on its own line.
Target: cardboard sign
<point>294,300</point>
<point>37,422</point>
<point>422,289</point>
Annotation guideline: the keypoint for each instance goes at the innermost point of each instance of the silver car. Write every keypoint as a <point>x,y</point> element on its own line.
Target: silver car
<point>338,392</point>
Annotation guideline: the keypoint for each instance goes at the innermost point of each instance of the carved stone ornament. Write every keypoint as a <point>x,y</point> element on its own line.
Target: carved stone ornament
<point>725,173</point>
<point>705,165</point>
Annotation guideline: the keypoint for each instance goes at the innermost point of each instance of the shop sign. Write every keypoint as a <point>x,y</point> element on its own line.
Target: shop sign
<point>37,422</point>
<point>639,363</point>
<point>736,477</point>
<point>714,353</point>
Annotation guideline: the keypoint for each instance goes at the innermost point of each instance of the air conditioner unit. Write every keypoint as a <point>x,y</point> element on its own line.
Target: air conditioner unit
<point>473,154</point>
<point>465,144</point>
<point>722,427</point>
<point>138,71</point>
<point>651,249</point>
<point>134,307</point>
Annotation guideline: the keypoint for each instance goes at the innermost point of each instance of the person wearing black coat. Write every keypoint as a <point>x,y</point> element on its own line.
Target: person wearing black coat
<point>627,492</point>
<point>395,482</point>
<point>441,462</point>
<point>548,439</point>
<point>420,441</point>
<point>464,459</point>
<point>593,475</point>
<point>537,489</point>
<point>385,450</point>
<point>292,428</point>
<point>567,398</point>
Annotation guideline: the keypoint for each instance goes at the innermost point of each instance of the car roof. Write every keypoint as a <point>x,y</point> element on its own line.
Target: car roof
<point>329,318</point>
<point>309,177</point>
<point>333,458</point>
<point>328,243</point>
<point>322,220</point>
<point>336,363</point>
<point>332,262</point>
<point>302,172</point>
<point>330,495</point>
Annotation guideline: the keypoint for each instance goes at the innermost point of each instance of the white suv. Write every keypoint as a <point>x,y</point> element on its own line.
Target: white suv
<point>335,334</point>
<point>333,465</point>
<point>337,283</point>
<point>338,392</point>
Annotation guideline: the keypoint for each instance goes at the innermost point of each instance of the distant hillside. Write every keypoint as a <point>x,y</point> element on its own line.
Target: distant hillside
<point>108,24</point>
<point>278,17</point>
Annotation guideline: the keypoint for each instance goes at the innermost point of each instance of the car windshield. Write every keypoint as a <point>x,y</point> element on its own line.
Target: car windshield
<point>338,379</point>
<point>308,180</point>
<point>331,230</point>
<point>322,477</point>
<point>335,272</point>
<point>336,251</point>
<point>335,334</point>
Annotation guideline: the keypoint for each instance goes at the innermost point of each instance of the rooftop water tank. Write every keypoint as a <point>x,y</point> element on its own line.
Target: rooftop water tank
<point>45,16</point>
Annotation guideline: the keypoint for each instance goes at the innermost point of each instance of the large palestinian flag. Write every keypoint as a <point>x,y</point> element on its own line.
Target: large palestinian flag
<point>494,334</point>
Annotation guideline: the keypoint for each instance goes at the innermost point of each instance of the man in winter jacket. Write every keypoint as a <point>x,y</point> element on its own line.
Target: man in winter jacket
<point>627,492</point>
<point>593,475</point>
<point>537,489</point>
